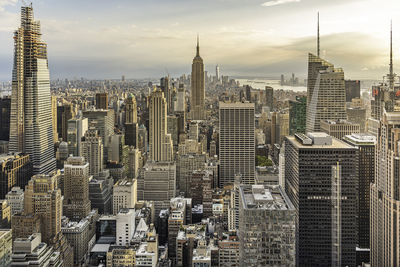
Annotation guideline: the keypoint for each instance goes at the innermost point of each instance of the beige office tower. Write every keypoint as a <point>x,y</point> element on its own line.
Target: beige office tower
<point>54,117</point>
<point>31,129</point>
<point>92,151</point>
<point>76,188</point>
<point>326,93</point>
<point>197,94</point>
<point>130,109</point>
<point>236,142</point>
<point>161,147</point>
<point>157,182</point>
<point>124,195</point>
<point>43,198</point>
<point>385,194</point>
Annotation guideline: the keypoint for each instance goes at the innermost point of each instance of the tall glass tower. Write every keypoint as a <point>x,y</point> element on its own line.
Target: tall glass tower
<point>31,117</point>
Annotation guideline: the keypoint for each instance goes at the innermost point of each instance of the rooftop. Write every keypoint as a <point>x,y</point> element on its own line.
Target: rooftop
<point>309,143</point>
<point>264,197</point>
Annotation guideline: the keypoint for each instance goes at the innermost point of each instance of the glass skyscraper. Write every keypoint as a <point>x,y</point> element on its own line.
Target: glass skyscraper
<point>30,123</point>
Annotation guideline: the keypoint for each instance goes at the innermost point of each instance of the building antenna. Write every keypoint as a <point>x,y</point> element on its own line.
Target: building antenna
<point>318,36</point>
<point>391,74</point>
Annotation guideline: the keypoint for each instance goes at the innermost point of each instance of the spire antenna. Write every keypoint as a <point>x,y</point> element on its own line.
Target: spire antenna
<point>198,46</point>
<point>318,36</point>
<point>391,74</point>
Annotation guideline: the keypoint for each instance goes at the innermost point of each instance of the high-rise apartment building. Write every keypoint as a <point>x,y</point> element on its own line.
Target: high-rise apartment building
<point>326,93</point>
<point>15,170</point>
<point>76,188</point>
<point>321,180</point>
<point>31,128</point>
<point>197,93</point>
<point>385,194</point>
<point>267,227</point>
<point>161,147</point>
<point>92,151</point>
<point>236,124</point>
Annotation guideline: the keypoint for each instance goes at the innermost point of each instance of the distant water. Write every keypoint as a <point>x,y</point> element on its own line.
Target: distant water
<point>276,84</point>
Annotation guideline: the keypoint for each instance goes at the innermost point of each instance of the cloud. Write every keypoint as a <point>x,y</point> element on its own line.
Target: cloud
<point>4,3</point>
<point>278,2</point>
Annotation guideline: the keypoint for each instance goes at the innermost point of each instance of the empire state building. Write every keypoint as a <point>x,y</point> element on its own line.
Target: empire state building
<point>31,128</point>
<point>197,111</point>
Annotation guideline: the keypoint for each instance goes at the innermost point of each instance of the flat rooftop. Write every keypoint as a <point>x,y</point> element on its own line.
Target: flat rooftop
<point>264,198</point>
<point>336,144</point>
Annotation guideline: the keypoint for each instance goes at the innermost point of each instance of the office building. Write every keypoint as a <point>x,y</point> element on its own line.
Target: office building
<point>103,121</point>
<point>125,194</point>
<point>236,124</point>
<point>43,199</point>
<point>197,89</point>
<point>5,109</point>
<point>5,214</point>
<point>100,192</point>
<point>133,163</point>
<point>267,227</point>
<point>24,225</point>
<point>101,101</point>
<point>5,247</point>
<point>316,165</point>
<point>384,229</point>
<point>65,113</point>
<point>31,128</point>
<point>125,226</point>
<point>77,128</point>
<point>365,143</point>
<point>54,114</point>
<point>31,250</point>
<point>15,170</point>
<point>339,128</point>
<point>92,151</point>
<point>160,143</point>
<point>15,199</point>
<point>326,93</point>
<point>297,115</point>
<point>157,182</point>
<point>76,188</point>
<point>352,89</point>
<point>269,97</point>
<point>185,165</point>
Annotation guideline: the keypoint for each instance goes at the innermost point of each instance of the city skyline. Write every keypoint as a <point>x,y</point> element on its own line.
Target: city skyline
<point>141,40</point>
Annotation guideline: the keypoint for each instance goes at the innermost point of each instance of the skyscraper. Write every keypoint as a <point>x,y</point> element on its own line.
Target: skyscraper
<point>131,124</point>
<point>316,166</point>
<point>385,194</point>
<point>297,115</point>
<point>101,101</point>
<point>5,108</point>
<point>160,142</point>
<point>217,74</point>
<point>365,143</point>
<point>236,124</point>
<point>326,93</point>
<point>31,129</point>
<point>92,151</point>
<point>197,110</point>
<point>76,188</point>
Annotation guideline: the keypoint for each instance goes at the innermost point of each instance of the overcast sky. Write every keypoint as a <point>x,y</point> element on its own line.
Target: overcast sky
<point>147,38</point>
